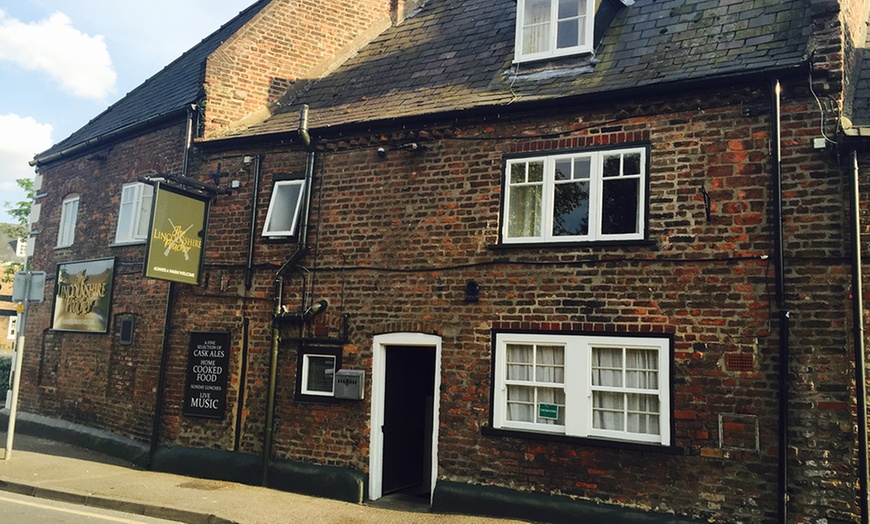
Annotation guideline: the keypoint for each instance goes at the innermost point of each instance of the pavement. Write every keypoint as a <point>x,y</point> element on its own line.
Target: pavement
<point>52,470</point>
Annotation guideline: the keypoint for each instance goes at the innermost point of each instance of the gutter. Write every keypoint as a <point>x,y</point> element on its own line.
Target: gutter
<point>75,149</point>
<point>501,110</point>
<point>858,341</point>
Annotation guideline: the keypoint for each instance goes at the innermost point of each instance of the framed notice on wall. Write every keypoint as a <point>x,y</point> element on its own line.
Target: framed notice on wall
<point>83,296</point>
<point>177,236</point>
<point>207,362</point>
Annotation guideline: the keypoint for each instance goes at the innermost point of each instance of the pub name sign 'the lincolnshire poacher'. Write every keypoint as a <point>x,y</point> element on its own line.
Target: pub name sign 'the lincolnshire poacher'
<point>174,249</point>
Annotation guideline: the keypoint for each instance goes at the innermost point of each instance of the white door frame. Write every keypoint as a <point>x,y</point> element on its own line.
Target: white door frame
<point>379,367</point>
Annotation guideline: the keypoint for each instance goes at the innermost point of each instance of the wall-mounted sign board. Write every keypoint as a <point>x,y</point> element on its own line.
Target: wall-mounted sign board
<point>208,359</point>
<point>176,238</point>
<point>83,296</point>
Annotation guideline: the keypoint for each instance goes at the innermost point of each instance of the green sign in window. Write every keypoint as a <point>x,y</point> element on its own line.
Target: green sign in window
<point>548,411</point>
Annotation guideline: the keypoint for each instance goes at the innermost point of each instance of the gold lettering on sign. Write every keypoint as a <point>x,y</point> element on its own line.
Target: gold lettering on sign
<point>79,294</point>
<point>176,239</point>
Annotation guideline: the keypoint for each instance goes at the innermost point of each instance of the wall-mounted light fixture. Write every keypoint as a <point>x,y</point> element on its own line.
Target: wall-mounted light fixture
<point>472,289</point>
<point>298,315</point>
<point>315,309</point>
<point>414,147</point>
<point>411,146</point>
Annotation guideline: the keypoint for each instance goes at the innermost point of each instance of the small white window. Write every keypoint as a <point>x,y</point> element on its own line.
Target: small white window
<point>283,214</point>
<point>585,386</point>
<point>577,197</point>
<point>134,213</point>
<point>69,212</point>
<point>551,28</point>
<point>318,374</point>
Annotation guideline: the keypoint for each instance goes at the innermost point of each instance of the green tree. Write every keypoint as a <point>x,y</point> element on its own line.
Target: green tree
<point>20,211</point>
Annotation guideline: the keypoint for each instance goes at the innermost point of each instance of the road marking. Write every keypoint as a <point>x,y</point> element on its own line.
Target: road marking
<point>71,511</point>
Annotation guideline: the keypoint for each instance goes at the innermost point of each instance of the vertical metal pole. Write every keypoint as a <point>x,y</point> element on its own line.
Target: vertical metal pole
<point>858,334</point>
<point>273,379</point>
<point>243,383</point>
<point>779,266</point>
<point>16,377</point>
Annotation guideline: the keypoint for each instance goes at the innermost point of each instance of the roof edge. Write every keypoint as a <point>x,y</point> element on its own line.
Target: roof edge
<point>793,70</point>
<point>41,160</point>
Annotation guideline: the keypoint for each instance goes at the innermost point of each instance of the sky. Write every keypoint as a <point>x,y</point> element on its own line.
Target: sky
<point>63,62</point>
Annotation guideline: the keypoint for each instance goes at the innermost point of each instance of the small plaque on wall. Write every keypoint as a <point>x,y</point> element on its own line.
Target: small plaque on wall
<point>207,362</point>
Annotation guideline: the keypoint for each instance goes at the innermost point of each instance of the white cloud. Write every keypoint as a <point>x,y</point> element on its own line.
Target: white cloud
<point>20,139</point>
<point>79,62</point>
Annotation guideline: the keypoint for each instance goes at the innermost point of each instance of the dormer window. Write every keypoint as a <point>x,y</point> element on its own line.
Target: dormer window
<point>552,28</point>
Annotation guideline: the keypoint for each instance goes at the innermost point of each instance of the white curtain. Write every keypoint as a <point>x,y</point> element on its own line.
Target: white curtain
<point>641,369</point>
<point>525,208</point>
<point>623,411</point>
<point>521,403</point>
<point>536,26</point>
<point>607,367</point>
<point>535,364</point>
<point>643,414</point>
<point>550,367</point>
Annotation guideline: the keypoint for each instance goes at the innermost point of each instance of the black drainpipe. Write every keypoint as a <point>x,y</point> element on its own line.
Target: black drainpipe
<point>289,264</point>
<point>249,264</point>
<point>782,484</point>
<point>858,341</point>
<point>167,318</point>
<point>243,383</point>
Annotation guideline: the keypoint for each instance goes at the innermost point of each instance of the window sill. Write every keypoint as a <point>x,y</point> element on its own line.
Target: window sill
<point>583,441</point>
<point>316,399</point>
<point>578,62</point>
<point>570,245</point>
<point>279,239</point>
<point>128,243</point>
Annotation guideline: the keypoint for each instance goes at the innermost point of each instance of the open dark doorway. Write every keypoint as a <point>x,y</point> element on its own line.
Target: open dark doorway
<point>408,404</point>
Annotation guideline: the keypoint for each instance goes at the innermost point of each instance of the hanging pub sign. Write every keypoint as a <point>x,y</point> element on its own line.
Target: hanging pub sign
<point>175,240</point>
<point>83,296</point>
<point>207,362</point>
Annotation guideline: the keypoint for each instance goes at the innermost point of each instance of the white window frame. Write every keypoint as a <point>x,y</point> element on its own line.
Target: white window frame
<point>280,204</point>
<point>579,388</point>
<point>66,231</point>
<point>134,213</point>
<point>551,27</point>
<point>306,358</point>
<point>596,195</point>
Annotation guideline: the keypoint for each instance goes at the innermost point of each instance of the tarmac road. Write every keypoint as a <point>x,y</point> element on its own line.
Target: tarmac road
<point>25,508</point>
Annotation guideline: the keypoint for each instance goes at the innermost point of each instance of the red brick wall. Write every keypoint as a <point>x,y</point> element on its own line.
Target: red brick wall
<point>91,378</point>
<point>435,215</point>
<point>287,43</point>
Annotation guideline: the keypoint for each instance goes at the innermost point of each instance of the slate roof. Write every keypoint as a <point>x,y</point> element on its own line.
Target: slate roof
<point>454,55</point>
<point>860,107</point>
<point>457,54</point>
<point>175,87</point>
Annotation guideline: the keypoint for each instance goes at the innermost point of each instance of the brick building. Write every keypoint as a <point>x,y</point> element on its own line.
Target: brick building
<point>583,260</point>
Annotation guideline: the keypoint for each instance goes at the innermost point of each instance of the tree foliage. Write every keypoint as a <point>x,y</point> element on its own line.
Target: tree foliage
<point>20,211</point>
